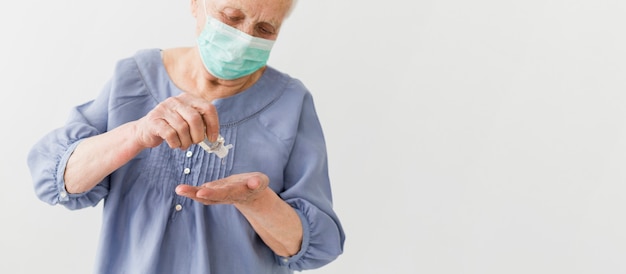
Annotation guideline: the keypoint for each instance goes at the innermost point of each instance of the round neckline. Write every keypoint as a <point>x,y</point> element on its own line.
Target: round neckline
<point>238,107</point>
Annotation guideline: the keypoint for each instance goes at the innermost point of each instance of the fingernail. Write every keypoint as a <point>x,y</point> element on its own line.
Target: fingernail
<point>213,138</point>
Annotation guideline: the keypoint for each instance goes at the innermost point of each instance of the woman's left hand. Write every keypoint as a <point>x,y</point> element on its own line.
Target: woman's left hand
<point>241,188</point>
<point>275,221</point>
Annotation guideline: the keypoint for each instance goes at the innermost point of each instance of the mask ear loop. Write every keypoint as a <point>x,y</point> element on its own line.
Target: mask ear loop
<point>204,8</point>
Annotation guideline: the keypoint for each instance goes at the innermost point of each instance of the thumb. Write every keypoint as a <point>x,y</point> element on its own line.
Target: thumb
<point>253,183</point>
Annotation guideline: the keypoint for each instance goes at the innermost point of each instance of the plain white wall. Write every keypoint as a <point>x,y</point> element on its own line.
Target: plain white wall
<point>464,136</point>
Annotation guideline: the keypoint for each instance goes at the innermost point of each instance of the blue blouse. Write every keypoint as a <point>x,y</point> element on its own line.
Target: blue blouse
<point>147,228</point>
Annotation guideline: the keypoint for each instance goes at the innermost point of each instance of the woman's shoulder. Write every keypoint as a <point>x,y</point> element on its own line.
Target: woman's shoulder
<point>285,82</point>
<point>142,71</point>
<point>291,92</point>
<point>132,67</point>
<point>140,57</point>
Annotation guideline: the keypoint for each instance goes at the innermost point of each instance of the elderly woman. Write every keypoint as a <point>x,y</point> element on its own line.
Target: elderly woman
<point>207,160</point>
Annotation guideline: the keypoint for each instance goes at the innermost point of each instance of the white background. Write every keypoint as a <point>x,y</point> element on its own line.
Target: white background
<point>464,136</point>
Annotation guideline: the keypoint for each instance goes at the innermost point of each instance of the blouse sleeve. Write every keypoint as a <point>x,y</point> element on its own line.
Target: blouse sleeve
<point>48,157</point>
<point>124,98</point>
<point>307,190</point>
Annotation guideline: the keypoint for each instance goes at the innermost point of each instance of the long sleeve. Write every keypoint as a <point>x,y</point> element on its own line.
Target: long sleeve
<point>125,97</point>
<point>49,156</point>
<point>307,190</point>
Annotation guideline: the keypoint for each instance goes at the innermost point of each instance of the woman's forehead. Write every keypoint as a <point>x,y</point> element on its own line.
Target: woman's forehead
<point>267,9</point>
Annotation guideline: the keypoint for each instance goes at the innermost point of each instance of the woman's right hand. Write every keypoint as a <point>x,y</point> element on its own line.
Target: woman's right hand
<point>181,121</point>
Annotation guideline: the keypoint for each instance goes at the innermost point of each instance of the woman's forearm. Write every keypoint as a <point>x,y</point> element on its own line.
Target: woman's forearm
<point>98,156</point>
<point>276,222</point>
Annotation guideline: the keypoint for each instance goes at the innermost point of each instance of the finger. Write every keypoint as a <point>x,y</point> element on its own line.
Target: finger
<point>194,123</point>
<point>208,113</point>
<point>179,116</point>
<point>190,192</point>
<point>227,190</point>
<point>211,122</point>
<point>231,189</point>
<point>186,190</point>
<point>220,194</point>
<point>253,183</point>
<point>163,129</point>
<point>148,131</point>
<point>165,123</point>
<point>257,181</point>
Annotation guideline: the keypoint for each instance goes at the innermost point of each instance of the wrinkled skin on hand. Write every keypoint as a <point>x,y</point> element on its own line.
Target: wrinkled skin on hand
<point>240,189</point>
<point>181,121</point>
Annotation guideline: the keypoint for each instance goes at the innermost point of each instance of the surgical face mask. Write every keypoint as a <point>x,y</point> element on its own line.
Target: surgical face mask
<point>229,53</point>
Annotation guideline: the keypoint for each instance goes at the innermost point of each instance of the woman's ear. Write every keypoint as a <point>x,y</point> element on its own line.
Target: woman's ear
<point>194,8</point>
